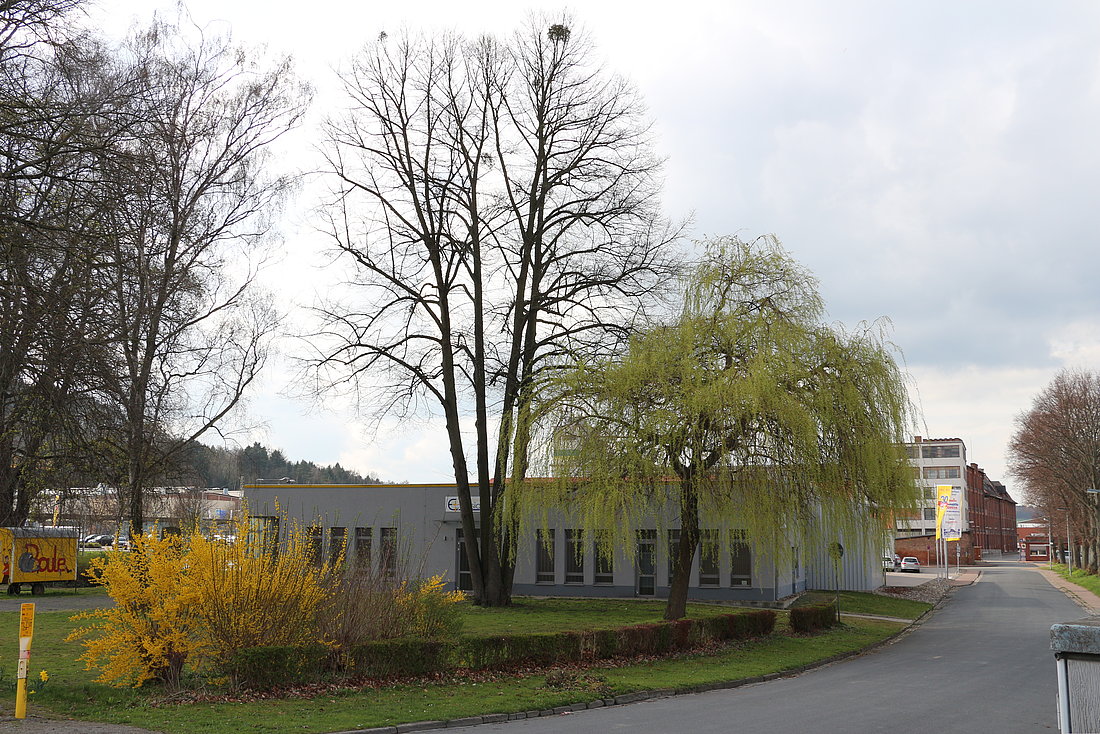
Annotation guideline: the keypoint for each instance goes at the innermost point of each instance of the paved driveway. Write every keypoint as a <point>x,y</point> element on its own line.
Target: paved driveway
<point>982,663</point>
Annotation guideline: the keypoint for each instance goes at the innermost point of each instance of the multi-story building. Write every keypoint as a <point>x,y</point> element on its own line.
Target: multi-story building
<point>992,514</point>
<point>988,512</point>
<point>935,461</point>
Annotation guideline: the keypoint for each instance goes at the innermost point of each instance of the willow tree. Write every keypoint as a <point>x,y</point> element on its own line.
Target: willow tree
<point>745,413</point>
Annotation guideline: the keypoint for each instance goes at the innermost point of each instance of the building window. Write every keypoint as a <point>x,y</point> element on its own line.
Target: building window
<point>1038,550</point>
<point>544,557</point>
<point>314,545</point>
<point>604,562</point>
<point>646,581</point>
<point>740,559</point>
<point>940,452</point>
<point>941,472</point>
<point>337,544</point>
<point>930,493</point>
<point>265,534</point>
<point>929,513</point>
<point>673,550</point>
<point>362,547</point>
<point>709,575</point>
<point>387,538</point>
<point>465,578</point>
<point>574,557</point>
<point>912,452</point>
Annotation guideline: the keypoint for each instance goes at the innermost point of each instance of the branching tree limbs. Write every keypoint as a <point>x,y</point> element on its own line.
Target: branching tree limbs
<point>191,202</point>
<point>746,412</point>
<point>1055,451</point>
<point>493,201</point>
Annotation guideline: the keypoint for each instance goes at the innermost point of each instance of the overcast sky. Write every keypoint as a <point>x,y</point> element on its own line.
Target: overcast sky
<point>934,163</point>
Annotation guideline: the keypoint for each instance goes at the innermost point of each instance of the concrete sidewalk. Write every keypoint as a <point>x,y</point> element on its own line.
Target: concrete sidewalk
<point>1081,595</point>
<point>965,576</point>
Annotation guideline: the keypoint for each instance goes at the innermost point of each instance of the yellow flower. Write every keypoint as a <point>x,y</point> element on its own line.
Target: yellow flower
<point>43,676</point>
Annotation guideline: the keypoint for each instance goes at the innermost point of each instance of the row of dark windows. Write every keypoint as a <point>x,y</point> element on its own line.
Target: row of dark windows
<point>357,554</point>
<point>708,552</point>
<point>933,451</point>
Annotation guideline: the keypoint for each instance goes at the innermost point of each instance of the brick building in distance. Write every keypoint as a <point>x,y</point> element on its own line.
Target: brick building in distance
<point>989,513</point>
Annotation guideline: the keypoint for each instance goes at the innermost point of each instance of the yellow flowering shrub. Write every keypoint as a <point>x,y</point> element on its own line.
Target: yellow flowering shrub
<point>196,600</point>
<point>154,627</point>
<point>430,609</point>
<point>249,596</point>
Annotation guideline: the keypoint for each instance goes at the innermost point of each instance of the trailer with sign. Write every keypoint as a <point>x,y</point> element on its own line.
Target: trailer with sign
<point>37,557</point>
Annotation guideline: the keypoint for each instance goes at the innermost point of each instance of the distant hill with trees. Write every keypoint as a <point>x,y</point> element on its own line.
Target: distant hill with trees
<point>210,466</point>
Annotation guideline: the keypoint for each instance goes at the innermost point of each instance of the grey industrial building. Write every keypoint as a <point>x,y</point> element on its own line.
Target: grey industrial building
<point>420,525</point>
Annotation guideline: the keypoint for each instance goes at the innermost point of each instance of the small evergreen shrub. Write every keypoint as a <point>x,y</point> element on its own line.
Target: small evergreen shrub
<point>813,618</point>
<point>262,668</point>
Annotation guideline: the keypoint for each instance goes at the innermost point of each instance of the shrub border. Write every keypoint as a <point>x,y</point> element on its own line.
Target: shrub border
<point>627,698</point>
<point>270,667</point>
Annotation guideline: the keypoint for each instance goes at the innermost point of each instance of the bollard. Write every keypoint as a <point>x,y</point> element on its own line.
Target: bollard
<point>1076,648</point>
<point>26,633</point>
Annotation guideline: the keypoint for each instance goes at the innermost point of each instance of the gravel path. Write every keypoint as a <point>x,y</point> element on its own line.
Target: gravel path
<point>38,725</point>
<point>55,602</point>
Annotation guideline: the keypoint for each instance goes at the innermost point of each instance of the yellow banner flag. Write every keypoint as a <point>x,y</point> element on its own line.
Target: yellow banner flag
<point>943,497</point>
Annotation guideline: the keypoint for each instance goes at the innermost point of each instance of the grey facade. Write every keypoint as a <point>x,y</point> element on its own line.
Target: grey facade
<point>418,528</point>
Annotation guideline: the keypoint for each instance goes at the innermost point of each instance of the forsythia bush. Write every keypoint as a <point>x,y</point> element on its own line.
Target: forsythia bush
<point>198,602</point>
<point>154,627</point>
<point>430,610</point>
<point>248,596</point>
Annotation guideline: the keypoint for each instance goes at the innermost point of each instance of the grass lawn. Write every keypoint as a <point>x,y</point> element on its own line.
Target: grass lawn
<point>70,692</point>
<point>856,602</point>
<point>532,615</point>
<point>1079,577</point>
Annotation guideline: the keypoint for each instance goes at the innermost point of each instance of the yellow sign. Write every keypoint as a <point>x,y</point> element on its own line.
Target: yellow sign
<point>943,497</point>
<point>26,620</point>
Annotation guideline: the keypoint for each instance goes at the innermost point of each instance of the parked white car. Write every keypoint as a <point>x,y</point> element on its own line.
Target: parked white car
<point>910,564</point>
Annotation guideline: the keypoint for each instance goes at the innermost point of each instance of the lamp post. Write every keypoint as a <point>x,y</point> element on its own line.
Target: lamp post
<point>1050,545</point>
<point>1069,544</point>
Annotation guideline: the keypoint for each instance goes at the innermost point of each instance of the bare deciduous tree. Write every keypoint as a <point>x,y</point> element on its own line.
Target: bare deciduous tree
<point>190,204</point>
<point>1055,451</point>
<point>499,204</point>
<point>57,98</point>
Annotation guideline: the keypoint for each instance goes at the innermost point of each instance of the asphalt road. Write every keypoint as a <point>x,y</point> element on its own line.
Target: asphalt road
<point>982,663</point>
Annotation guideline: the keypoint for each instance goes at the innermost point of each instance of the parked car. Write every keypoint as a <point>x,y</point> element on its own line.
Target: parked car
<point>910,564</point>
<point>888,564</point>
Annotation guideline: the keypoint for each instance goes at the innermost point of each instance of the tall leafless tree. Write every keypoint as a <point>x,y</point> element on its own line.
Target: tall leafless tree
<point>192,203</point>
<point>1055,452</point>
<point>57,100</point>
<point>499,204</point>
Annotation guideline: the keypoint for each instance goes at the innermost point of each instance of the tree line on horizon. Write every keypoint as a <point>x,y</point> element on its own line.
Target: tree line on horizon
<point>213,466</point>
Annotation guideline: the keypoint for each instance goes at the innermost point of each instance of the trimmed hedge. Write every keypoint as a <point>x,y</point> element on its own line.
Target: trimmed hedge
<point>814,618</point>
<point>274,666</point>
<point>269,667</point>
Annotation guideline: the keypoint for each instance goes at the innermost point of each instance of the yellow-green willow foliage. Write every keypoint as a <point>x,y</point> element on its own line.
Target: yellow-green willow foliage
<point>745,414</point>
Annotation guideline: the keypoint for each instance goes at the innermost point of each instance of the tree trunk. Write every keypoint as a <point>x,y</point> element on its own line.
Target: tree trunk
<point>685,549</point>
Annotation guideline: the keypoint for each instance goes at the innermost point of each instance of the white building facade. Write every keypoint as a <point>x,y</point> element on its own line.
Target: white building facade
<point>936,461</point>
